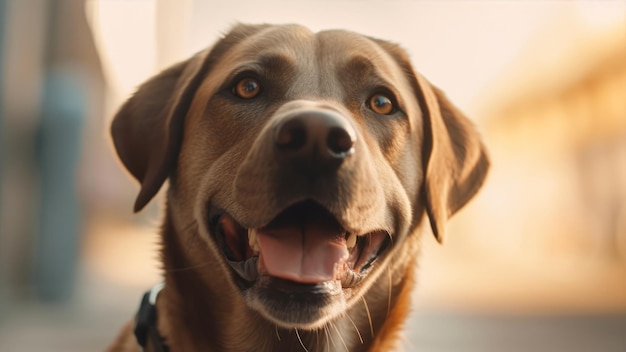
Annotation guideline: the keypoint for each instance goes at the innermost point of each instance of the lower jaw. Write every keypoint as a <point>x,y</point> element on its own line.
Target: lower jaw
<point>289,305</point>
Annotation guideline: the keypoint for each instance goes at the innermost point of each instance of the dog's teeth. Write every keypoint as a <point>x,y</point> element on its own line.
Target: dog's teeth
<point>252,241</point>
<point>351,240</point>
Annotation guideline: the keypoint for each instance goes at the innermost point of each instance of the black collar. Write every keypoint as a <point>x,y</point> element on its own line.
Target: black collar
<point>146,319</point>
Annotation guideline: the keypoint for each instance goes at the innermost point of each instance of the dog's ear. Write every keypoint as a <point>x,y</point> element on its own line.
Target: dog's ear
<point>147,130</point>
<point>453,156</point>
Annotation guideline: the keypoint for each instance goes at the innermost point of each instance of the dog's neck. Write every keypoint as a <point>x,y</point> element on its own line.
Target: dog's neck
<point>200,311</point>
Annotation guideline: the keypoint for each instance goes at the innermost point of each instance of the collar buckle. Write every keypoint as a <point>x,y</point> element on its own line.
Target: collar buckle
<point>146,318</point>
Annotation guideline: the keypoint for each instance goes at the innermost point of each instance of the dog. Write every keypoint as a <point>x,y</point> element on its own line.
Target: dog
<point>301,170</point>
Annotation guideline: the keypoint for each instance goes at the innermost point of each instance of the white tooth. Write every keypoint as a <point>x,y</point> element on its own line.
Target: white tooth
<point>351,240</point>
<point>252,240</point>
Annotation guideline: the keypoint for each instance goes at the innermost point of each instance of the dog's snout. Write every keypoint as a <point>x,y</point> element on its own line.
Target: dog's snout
<point>316,136</point>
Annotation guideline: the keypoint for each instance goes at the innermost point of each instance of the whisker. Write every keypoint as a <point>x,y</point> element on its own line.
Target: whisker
<point>369,316</point>
<point>389,290</point>
<point>277,334</point>
<point>317,337</point>
<point>327,343</point>
<point>340,337</point>
<point>192,224</point>
<point>329,337</point>
<point>355,328</point>
<point>192,267</point>
<point>299,339</point>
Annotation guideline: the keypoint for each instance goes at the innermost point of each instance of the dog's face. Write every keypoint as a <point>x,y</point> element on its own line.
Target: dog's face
<point>303,161</point>
<point>318,149</point>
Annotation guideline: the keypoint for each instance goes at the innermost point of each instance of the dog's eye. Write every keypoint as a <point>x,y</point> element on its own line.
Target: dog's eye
<point>381,104</point>
<point>247,88</point>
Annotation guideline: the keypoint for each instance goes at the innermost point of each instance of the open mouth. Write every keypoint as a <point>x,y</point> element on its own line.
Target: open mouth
<point>304,246</point>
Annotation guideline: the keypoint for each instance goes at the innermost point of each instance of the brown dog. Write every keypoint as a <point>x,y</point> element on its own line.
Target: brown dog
<point>301,166</point>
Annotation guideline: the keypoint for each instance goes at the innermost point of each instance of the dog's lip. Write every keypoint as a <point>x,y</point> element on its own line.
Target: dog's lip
<point>232,240</point>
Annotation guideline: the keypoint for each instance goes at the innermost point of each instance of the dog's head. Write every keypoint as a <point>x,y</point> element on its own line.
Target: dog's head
<point>306,161</point>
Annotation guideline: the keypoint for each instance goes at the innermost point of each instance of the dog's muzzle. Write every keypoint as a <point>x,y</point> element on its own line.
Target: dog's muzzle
<point>293,240</point>
<point>304,244</point>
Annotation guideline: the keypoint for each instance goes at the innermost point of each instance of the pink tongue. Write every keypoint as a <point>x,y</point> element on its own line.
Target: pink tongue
<point>306,254</point>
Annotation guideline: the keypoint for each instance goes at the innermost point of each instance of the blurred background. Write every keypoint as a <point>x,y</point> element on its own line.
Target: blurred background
<point>536,262</point>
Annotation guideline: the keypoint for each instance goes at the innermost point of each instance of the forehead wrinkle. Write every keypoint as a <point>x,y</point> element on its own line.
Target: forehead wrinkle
<point>284,49</point>
<point>374,62</point>
<point>272,40</point>
<point>272,62</point>
<point>360,68</point>
<point>356,57</point>
<point>331,49</point>
<point>276,50</point>
<point>387,65</point>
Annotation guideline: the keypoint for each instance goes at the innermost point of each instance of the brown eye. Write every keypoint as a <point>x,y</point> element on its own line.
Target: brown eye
<point>247,88</point>
<point>381,104</point>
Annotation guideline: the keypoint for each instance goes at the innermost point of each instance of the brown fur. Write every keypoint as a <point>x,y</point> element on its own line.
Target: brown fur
<point>184,125</point>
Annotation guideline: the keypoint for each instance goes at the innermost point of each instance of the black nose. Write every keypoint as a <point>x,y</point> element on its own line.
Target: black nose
<point>318,137</point>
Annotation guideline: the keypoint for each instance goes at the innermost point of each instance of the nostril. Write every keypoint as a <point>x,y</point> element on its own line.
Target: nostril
<point>339,141</point>
<point>319,137</point>
<point>291,135</point>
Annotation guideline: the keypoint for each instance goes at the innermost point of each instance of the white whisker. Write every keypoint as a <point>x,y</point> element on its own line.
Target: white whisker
<point>340,337</point>
<point>355,328</point>
<point>388,291</point>
<point>369,316</point>
<point>192,267</point>
<point>329,337</point>
<point>301,343</point>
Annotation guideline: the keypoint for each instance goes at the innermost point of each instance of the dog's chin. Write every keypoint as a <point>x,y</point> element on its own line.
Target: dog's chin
<point>302,269</point>
<point>292,305</point>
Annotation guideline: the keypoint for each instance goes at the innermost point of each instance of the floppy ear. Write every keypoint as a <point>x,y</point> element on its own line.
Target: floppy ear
<point>454,157</point>
<point>147,130</point>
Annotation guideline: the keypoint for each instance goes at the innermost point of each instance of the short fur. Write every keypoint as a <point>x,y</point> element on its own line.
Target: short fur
<point>185,125</point>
